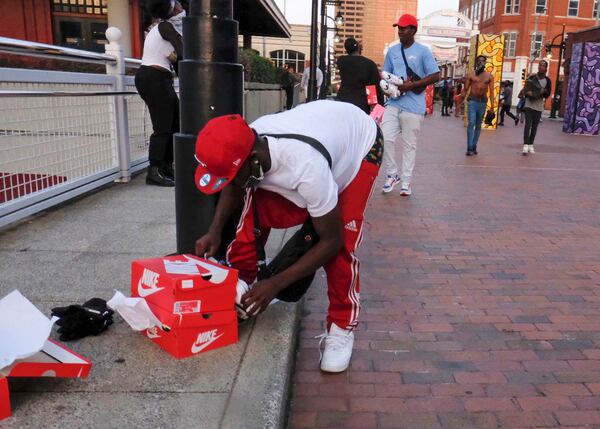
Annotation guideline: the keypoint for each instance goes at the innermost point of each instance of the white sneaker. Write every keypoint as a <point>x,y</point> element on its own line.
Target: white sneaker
<point>241,288</point>
<point>338,349</point>
<point>389,89</point>
<point>392,78</point>
<point>405,190</point>
<point>525,149</point>
<point>531,149</point>
<point>390,183</point>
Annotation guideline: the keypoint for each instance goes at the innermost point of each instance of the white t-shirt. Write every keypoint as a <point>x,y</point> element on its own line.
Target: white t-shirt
<point>299,172</point>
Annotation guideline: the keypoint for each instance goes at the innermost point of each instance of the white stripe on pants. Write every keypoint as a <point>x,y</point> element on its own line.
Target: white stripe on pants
<point>406,125</point>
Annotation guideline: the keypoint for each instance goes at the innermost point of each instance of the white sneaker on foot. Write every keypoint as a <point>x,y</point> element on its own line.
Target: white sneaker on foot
<point>405,190</point>
<point>338,349</point>
<point>390,183</point>
<point>525,149</point>
<point>531,149</point>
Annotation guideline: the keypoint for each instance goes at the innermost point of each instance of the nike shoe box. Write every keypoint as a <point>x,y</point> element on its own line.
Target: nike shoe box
<point>184,284</point>
<point>4,398</point>
<point>188,334</point>
<point>193,298</point>
<point>53,360</point>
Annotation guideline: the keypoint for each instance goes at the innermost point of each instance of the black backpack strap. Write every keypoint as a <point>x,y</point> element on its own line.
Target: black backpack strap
<point>308,140</point>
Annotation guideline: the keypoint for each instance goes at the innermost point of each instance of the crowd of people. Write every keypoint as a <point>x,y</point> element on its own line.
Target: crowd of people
<point>314,164</point>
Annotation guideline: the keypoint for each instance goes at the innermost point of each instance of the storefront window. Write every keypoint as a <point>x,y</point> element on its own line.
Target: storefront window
<point>80,24</point>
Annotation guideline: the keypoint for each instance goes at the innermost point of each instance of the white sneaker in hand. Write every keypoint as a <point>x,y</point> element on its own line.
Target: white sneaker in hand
<point>389,89</point>
<point>338,349</point>
<point>240,290</point>
<point>392,78</point>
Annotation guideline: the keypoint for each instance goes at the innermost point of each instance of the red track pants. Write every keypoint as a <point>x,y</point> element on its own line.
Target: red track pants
<point>274,211</point>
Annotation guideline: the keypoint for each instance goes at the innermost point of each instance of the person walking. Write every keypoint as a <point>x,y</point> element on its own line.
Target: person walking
<point>537,88</point>
<point>479,83</point>
<point>458,104</point>
<point>288,80</point>
<point>283,181</point>
<point>163,47</point>
<point>506,100</point>
<point>414,63</point>
<point>306,77</point>
<point>445,96</point>
<point>356,73</point>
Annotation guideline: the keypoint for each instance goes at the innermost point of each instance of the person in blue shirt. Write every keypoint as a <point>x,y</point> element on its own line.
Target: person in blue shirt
<point>403,115</point>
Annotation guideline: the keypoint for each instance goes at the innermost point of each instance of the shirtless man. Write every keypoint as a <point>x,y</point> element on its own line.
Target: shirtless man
<point>479,82</point>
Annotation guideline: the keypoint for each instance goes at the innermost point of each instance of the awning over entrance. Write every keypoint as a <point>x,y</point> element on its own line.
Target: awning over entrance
<point>261,18</point>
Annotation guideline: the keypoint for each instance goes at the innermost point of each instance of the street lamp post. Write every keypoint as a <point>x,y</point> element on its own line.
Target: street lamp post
<point>561,48</point>
<point>211,84</point>
<point>338,21</point>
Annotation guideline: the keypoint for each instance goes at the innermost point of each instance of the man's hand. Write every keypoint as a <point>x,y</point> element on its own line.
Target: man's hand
<point>406,86</point>
<point>259,297</point>
<point>208,245</point>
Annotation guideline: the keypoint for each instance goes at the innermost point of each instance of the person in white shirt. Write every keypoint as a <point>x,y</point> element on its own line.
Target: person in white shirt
<point>291,182</point>
<point>306,76</point>
<point>163,47</point>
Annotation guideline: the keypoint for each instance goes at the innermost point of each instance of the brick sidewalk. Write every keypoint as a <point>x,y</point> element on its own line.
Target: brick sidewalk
<point>481,305</point>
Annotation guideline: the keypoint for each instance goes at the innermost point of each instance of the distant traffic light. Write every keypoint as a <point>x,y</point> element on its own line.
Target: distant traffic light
<point>523,72</point>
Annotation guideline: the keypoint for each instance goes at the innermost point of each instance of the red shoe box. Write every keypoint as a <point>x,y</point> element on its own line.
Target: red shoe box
<point>193,333</point>
<point>4,398</point>
<point>192,297</point>
<point>184,284</point>
<point>54,360</point>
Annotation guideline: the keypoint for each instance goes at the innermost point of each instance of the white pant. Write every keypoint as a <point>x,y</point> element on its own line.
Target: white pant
<point>406,125</point>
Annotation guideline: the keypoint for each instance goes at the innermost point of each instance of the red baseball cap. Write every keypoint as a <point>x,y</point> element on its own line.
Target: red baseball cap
<point>407,20</point>
<point>222,147</point>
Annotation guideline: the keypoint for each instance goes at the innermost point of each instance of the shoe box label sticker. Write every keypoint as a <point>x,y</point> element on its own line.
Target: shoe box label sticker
<point>186,307</point>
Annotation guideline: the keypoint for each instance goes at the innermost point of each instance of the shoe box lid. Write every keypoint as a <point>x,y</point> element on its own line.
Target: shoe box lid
<point>187,334</point>
<point>184,284</point>
<point>4,398</point>
<point>54,360</point>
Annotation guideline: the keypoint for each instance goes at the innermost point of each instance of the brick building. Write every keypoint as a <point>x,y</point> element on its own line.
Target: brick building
<point>370,21</point>
<point>528,25</point>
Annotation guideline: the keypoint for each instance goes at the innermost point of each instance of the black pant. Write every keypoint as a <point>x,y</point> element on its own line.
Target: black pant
<point>289,97</point>
<point>445,105</point>
<point>506,109</point>
<point>156,89</point>
<point>532,120</point>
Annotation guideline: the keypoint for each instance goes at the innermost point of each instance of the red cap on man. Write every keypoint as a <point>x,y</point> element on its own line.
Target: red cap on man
<point>222,147</point>
<point>407,20</point>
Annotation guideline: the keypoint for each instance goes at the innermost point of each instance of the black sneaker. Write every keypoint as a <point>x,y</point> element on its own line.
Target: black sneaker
<point>500,125</point>
<point>168,171</point>
<point>469,153</point>
<point>516,122</point>
<point>157,178</point>
<point>475,152</point>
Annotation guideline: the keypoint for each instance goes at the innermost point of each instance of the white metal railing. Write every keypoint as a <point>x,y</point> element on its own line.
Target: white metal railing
<point>63,134</point>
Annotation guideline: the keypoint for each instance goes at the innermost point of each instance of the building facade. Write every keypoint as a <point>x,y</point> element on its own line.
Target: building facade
<point>528,25</point>
<point>370,22</point>
<point>294,50</point>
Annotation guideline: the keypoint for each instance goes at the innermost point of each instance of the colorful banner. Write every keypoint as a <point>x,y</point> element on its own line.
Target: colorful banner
<point>582,115</point>
<point>492,47</point>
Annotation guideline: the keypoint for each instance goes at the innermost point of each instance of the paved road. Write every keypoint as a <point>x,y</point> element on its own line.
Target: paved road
<point>481,297</point>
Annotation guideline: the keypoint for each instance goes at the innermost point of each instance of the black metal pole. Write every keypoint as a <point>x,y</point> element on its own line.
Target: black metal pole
<point>323,93</point>
<point>210,84</point>
<point>554,108</point>
<point>312,81</point>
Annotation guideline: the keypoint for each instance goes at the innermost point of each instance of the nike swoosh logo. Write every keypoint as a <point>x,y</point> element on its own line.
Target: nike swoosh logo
<point>143,291</point>
<point>218,275</point>
<point>198,349</point>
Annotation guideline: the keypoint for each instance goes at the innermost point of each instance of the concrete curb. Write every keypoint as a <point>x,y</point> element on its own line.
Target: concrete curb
<point>260,393</point>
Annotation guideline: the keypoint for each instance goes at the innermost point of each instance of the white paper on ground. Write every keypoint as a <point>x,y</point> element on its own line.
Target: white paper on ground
<point>23,328</point>
<point>135,311</point>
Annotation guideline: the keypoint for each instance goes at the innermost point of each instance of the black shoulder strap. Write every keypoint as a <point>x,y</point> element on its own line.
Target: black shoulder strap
<point>308,140</point>
<point>405,62</point>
